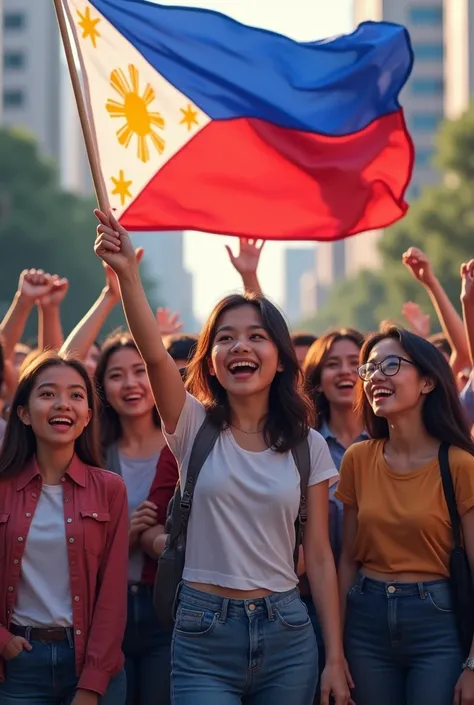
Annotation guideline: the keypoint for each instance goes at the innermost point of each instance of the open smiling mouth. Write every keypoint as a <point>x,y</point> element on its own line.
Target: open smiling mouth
<point>243,367</point>
<point>61,422</point>
<point>381,393</point>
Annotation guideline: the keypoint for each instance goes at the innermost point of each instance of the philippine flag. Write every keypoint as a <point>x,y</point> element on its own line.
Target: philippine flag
<point>203,123</point>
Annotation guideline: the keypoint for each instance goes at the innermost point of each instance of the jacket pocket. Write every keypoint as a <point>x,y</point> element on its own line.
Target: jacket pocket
<point>95,527</point>
<point>4,517</point>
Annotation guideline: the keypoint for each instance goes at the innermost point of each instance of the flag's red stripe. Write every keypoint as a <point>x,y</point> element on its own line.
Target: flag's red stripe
<point>249,177</point>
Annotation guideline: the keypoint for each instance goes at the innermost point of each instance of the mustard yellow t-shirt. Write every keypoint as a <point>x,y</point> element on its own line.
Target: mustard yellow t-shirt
<point>403,520</point>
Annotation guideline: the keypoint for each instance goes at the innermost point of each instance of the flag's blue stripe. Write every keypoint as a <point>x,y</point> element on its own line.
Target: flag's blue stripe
<point>229,70</point>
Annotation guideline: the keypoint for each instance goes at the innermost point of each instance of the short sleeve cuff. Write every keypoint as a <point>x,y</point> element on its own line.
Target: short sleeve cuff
<point>345,499</point>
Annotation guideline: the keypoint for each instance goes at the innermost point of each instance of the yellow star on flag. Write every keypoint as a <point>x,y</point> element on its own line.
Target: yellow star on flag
<point>189,117</point>
<point>122,187</point>
<point>88,25</point>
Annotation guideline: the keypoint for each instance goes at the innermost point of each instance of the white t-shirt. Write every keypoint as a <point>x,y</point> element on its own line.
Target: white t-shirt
<point>44,593</point>
<point>241,532</point>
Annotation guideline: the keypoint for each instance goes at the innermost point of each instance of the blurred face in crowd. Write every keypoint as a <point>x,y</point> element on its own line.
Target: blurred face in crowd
<point>339,373</point>
<point>21,352</point>
<point>402,389</point>
<point>92,358</point>
<point>126,384</point>
<point>301,352</point>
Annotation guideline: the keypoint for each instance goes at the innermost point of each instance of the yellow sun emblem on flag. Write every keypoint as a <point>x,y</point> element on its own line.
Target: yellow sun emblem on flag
<point>134,109</point>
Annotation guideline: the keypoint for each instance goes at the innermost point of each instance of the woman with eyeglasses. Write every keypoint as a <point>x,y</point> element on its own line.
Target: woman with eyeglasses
<point>401,637</point>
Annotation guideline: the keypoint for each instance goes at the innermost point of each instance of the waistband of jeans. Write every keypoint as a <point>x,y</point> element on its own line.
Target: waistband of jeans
<point>231,606</point>
<point>397,589</point>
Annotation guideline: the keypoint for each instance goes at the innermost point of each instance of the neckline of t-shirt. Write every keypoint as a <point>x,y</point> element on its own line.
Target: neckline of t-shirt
<point>228,431</point>
<point>145,461</point>
<point>406,475</point>
<point>52,489</point>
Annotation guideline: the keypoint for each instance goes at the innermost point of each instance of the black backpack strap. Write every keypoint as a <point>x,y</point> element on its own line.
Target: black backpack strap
<point>302,457</point>
<point>204,442</point>
<point>449,493</point>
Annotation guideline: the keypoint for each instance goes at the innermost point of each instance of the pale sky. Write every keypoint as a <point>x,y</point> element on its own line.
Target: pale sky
<point>205,255</point>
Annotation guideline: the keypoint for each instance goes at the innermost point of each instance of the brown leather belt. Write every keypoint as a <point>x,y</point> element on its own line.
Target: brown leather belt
<point>46,635</point>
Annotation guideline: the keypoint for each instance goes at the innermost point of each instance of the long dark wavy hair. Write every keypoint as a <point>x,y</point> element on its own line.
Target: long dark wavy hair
<point>314,364</point>
<point>290,412</point>
<point>110,426</point>
<point>442,413</point>
<point>19,442</point>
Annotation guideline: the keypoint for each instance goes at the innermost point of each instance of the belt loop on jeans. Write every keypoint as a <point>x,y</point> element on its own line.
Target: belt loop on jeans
<point>224,610</point>
<point>27,633</point>
<point>270,610</point>
<point>421,590</point>
<point>70,637</point>
<point>362,579</point>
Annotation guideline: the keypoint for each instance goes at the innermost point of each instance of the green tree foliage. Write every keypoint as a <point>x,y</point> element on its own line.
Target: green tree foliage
<point>43,227</point>
<point>441,223</point>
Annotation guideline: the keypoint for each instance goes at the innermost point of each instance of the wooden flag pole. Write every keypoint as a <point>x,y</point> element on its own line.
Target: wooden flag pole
<point>92,154</point>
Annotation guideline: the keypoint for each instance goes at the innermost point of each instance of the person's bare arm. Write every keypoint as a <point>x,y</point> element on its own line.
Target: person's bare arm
<point>32,285</point>
<point>114,246</point>
<point>50,332</point>
<point>420,267</point>
<point>467,300</point>
<point>246,263</point>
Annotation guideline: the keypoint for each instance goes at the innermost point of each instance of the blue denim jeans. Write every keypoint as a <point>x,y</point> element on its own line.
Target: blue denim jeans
<point>308,600</point>
<point>402,643</point>
<point>147,649</point>
<point>256,652</point>
<point>46,675</point>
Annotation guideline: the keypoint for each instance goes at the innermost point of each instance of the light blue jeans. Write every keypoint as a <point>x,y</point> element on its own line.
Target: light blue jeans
<point>402,643</point>
<point>256,652</point>
<point>46,675</point>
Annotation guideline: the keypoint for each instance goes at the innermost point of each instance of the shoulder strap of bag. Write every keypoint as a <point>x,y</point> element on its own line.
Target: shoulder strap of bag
<point>302,458</point>
<point>203,444</point>
<point>449,493</point>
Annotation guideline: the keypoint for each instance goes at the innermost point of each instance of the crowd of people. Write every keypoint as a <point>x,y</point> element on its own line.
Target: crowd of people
<point>96,435</point>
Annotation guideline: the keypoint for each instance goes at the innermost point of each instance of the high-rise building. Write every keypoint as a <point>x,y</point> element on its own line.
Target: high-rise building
<point>297,262</point>
<point>423,98</point>
<point>164,260</point>
<point>31,81</point>
<point>459,56</point>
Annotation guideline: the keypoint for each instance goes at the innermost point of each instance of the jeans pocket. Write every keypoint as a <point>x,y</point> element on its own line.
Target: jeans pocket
<point>194,622</point>
<point>293,615</point>
<point>441,600</point>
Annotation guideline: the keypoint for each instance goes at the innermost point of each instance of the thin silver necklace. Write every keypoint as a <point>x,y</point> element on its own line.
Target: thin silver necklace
<point>248,433</point>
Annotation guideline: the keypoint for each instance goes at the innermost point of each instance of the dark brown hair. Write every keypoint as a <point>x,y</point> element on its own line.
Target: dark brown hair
<point>314,364</point>
<point>303,338</point>
<point>441,342</point>
<point>442,413</point>
<point>19,442</point>
<point>181,346</point>
<point>110,426</point>
<point>290,413</point>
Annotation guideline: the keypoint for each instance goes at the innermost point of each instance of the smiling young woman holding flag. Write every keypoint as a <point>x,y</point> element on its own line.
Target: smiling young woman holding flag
<point>242,632</point>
